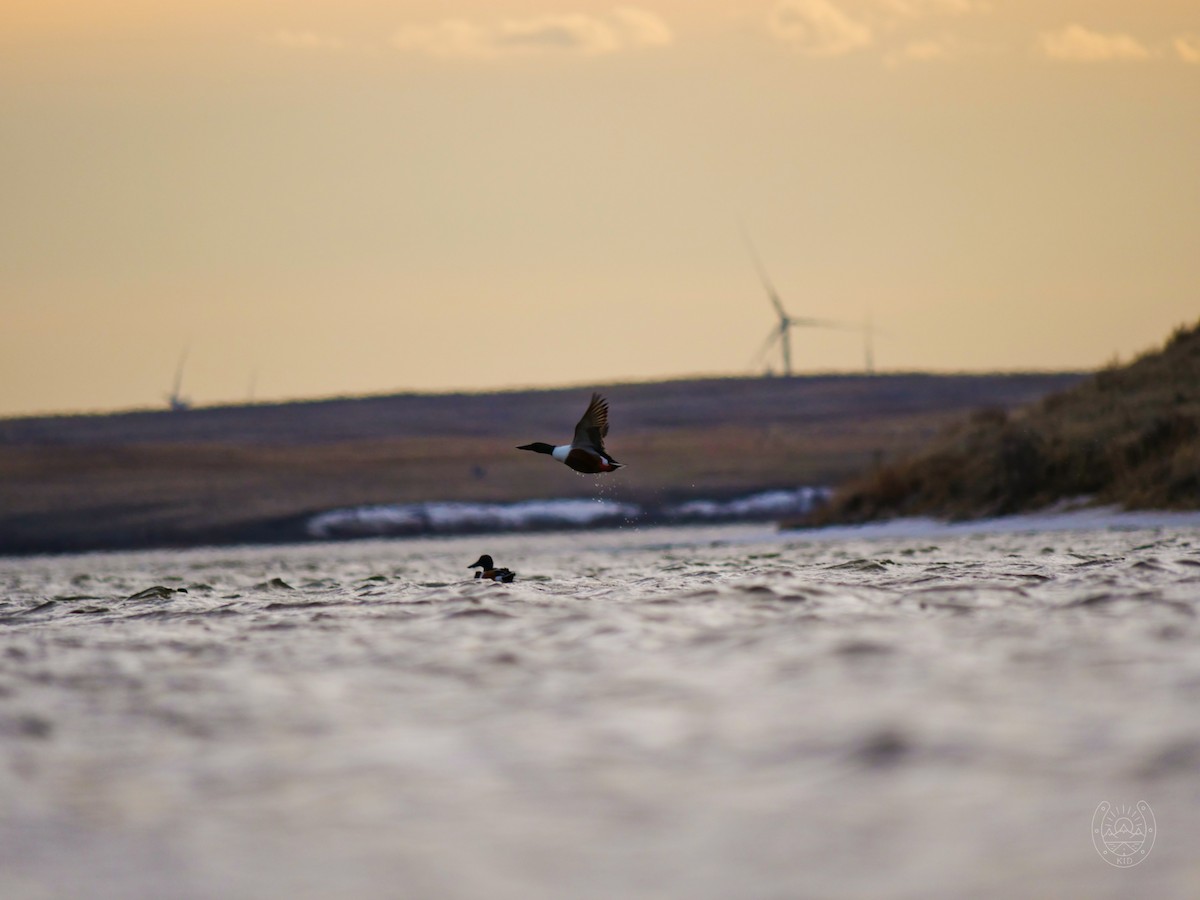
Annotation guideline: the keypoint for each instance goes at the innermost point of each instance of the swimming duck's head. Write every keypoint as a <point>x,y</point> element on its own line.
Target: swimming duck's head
<point>485,561</point>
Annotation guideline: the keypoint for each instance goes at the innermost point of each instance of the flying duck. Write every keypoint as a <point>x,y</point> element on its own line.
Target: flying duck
<point>586,452</point>
<point>489,571</point>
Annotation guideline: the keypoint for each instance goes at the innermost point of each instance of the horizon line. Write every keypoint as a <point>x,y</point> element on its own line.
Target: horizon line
<point>539,388</point>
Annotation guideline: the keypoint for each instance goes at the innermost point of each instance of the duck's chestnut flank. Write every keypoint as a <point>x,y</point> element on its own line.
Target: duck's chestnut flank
<point>585,453</point>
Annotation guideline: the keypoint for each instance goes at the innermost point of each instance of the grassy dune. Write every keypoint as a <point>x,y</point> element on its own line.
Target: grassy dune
<point>255,473</point>
<point>1128,435</point>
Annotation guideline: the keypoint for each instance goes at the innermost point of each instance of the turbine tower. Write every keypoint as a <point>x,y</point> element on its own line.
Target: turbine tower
<point>869,344</point>
<point>175,401</point>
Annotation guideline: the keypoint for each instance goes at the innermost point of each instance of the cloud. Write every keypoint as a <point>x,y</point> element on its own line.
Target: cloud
<point>818,27</point>
<point>918,8</point>
<point>825,28</point>
<point>305,40</point>
<point>450,37</point>
<point>643,27</point>
<point>569,33</point>
<point>928,50</point>
<point>1078,44</point>
<point>574,33</point>
<point>1188,48</point>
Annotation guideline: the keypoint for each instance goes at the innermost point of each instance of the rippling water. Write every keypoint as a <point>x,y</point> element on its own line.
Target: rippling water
<point>712,713</point>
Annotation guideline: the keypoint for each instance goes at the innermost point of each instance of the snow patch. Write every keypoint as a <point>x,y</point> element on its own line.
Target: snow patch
<point>450,518</point>
<point>765,505</point>
<point>459,518</point>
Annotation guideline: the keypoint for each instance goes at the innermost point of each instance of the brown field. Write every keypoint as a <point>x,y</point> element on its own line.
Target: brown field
<point>254,473</point>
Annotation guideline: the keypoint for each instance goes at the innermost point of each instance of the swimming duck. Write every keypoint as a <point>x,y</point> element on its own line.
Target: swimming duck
<point>586,452</point>
<point>489,571</point>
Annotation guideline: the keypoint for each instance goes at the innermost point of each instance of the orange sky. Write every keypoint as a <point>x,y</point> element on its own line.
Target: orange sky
<point>355,197</point>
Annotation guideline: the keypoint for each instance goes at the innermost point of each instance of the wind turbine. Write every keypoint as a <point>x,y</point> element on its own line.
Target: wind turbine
<point>175,401</point>
<point>782,332</point>
<point>869,344</point>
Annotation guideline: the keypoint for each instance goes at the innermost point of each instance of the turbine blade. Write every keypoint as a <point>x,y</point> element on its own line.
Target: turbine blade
<point>805,322</point>
<point>772,294</point>
<point>772,338</point>
<point>179,370</point>
<point>869,327</point>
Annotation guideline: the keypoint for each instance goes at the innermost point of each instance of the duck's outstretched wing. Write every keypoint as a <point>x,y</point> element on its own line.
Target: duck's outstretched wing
<point>593,427</point>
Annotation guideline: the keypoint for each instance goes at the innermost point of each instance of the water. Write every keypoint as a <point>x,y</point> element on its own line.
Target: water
<point>703,713</point>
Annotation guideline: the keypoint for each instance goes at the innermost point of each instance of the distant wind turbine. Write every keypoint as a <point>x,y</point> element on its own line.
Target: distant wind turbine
<point>869,345</point>
<point>869,333</point>
<point>782,333</point>
<point>176,401</point>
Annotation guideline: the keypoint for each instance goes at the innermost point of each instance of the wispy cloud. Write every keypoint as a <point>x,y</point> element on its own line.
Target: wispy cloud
<point>819,28</point>
<point>1188,48</point>
<point>935,49</point>
<point>450,37</point>
<point>1074,43</point>
<point>643,27</point>
<point>838,27</point>
<point>571,33</point>
<point>919,8</point>
<point>305,40</point>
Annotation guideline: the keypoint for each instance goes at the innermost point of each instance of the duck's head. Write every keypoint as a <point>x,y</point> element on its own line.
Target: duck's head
<point>537,447</point>
<point>485,561</point>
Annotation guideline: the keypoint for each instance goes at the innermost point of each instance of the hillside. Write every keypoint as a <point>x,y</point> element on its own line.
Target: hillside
<point>254,473</point>
<point>1127,435</point>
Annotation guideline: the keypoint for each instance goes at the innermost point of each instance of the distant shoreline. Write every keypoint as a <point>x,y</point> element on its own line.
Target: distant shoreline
<point>256,474</point>
<point>518,390</point>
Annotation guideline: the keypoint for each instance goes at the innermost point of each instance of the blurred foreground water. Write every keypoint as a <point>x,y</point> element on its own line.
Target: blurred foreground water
<point>703,713</point>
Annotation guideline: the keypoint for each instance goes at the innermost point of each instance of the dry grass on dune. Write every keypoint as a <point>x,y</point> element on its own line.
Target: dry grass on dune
<point>1128,435</point>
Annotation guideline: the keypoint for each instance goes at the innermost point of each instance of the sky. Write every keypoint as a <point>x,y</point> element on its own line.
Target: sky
<point>324,198</point>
